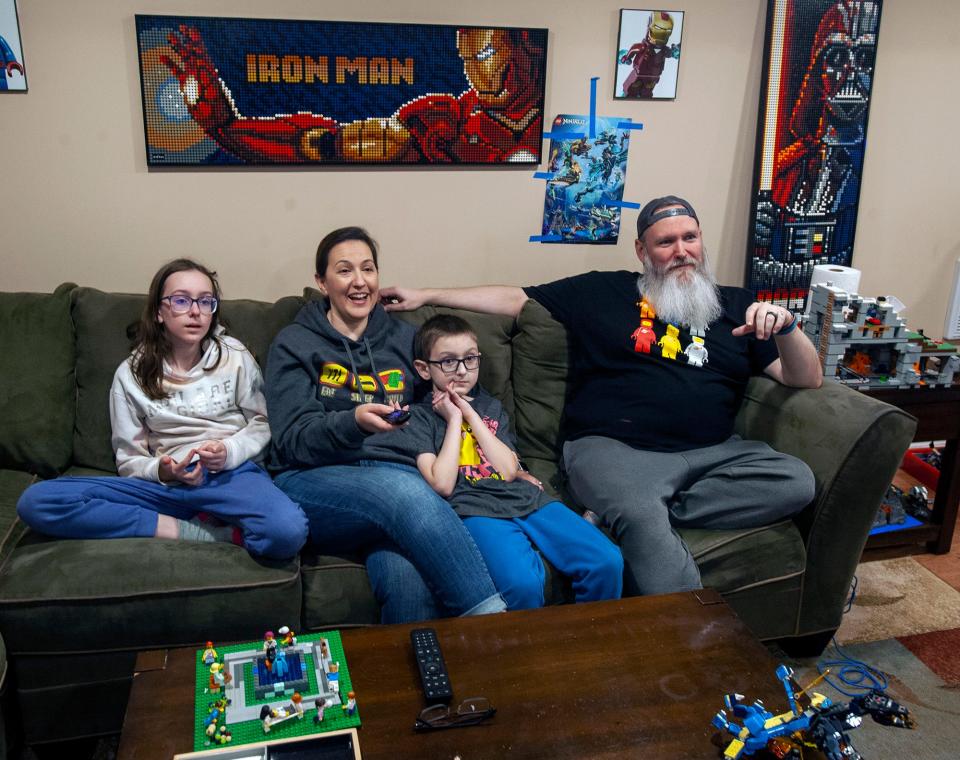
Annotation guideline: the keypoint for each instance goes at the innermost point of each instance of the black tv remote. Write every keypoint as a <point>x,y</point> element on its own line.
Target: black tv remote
<point>433,670</point>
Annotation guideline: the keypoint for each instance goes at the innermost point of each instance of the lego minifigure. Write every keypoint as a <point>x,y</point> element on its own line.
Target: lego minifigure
<point>218,677</point>
<point>669,343</point>
<point>297,702</point>
<point>266,717</point>
<point>280,667</point>
<point>287,638</point>
<point>644,337</point>
<point>351,707</point>
<point>209,655</point>
<point>321,704</point>
<point>696,352</point>
<point>269,649</point>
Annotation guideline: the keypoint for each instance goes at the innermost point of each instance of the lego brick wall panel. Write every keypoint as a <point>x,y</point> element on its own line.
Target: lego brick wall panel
<point>539,382</point>
<point>853,444</point>
<point>36,381</point>
<point>133,593</point>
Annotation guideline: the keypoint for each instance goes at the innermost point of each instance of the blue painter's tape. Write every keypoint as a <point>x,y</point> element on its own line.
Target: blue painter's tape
<point>593,107</point>
<point>544,175</point>
<point>545,238</point>
<point>563,135</point>
<point>621,204</point>
<point>630,125</point>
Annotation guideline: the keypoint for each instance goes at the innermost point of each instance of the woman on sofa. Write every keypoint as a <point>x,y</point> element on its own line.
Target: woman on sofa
<point>338,378</point>
<point>188,418</point>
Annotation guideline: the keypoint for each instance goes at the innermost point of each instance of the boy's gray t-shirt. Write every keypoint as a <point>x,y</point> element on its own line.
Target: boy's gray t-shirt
<point>480,490</point>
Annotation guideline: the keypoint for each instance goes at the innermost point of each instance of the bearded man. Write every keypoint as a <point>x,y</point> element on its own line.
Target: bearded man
<point>649,443</point>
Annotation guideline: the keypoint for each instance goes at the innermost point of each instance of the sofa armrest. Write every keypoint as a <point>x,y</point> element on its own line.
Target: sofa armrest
<point>853,444</point>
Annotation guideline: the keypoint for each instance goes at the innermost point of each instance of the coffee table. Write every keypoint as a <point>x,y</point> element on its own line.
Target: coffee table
<point>628,678</point>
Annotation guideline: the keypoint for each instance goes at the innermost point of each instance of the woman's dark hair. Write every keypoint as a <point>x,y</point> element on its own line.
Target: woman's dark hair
<point>152,343</point>
<point>342,235</point>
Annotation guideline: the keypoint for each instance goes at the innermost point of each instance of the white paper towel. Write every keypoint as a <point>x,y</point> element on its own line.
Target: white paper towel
<point>846,278</point>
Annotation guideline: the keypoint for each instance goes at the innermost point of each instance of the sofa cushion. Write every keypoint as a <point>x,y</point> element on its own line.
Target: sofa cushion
<point>103,322</point>
<point>12,484</point>
<point>139,593</point>
<point>336,592</point>
<point>37,391</point>
<point>256,323</point>
<point>540,364</point>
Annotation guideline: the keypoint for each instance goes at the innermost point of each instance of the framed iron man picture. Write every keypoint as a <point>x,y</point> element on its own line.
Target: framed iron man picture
<point>648,55</point>
<point>811,138</point>
<point>222,91</point>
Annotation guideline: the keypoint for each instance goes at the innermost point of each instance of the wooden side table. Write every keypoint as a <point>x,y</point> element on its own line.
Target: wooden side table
<point>938,418</point>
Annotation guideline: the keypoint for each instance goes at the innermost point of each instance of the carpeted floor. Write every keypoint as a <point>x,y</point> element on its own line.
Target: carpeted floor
<point>898,597</point>
<point>905,622</point>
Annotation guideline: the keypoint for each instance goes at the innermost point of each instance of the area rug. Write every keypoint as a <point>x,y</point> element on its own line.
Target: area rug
<point>898,597</point>
<point>933,701</point>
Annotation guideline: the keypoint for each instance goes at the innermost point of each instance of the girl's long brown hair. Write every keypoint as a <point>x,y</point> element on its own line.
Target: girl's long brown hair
<point>152,344</point>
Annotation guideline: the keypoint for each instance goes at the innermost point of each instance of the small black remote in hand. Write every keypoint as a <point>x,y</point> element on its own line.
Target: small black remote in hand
<point>398,416</point>
<point>433,670</point>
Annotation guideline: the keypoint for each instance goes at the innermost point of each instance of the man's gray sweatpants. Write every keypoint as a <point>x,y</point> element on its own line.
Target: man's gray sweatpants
<point>641,496</point>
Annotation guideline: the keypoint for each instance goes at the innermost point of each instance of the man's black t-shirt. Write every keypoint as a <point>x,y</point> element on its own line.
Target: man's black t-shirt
<point>659,391</point>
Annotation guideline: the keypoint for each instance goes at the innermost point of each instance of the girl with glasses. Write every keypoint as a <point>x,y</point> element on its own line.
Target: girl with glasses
<point>189,423</point>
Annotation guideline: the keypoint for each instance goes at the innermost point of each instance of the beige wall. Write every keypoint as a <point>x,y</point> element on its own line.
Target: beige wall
<point>77,202</point>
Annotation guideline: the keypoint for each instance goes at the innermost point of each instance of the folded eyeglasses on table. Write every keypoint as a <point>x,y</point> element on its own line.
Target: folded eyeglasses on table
<point>470,712</point>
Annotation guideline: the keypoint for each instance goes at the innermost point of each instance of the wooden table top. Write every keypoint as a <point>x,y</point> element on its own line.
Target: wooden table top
<point>635,677</point>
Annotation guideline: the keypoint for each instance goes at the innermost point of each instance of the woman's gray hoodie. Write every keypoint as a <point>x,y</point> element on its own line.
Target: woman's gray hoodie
<point>312,387</point>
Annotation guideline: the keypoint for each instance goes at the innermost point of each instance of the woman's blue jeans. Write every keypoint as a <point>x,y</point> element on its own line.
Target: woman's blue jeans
<point>421,560</point>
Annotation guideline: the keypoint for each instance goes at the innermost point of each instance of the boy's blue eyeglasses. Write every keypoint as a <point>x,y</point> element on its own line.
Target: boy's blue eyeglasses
<point>183,304</point>
<point>451,365</point>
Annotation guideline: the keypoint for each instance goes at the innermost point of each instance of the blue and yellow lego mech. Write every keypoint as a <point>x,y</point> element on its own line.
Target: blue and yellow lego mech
<point>813,720</point>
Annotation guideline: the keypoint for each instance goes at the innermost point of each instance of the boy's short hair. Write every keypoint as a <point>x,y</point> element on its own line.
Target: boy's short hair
<point>438,326</point>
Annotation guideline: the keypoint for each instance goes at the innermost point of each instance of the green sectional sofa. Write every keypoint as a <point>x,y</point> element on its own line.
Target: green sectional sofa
<point>74,614</point>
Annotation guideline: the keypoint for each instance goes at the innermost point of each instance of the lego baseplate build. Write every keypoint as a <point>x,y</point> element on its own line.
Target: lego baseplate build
<point>283,686</point>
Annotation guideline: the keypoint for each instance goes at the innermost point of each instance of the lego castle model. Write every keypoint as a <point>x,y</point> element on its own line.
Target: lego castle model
<point>863,342</point>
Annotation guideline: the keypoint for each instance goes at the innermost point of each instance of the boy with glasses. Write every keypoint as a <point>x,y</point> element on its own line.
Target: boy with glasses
<point>463,447</point>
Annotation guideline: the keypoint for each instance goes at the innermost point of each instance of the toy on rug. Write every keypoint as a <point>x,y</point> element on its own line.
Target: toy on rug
<point>813,721</point>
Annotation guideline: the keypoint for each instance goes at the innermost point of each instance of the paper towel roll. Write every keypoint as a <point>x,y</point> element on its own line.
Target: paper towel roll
<point>846,278</point>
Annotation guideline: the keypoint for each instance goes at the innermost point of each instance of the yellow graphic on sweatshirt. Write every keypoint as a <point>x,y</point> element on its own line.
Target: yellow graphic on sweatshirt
<point>367,382</point>
<point>337,376</point>
<point>392,380</point>
<point>334,375</point>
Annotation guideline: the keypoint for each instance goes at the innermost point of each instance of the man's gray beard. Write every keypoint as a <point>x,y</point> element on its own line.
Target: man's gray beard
<point>695,302</point>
